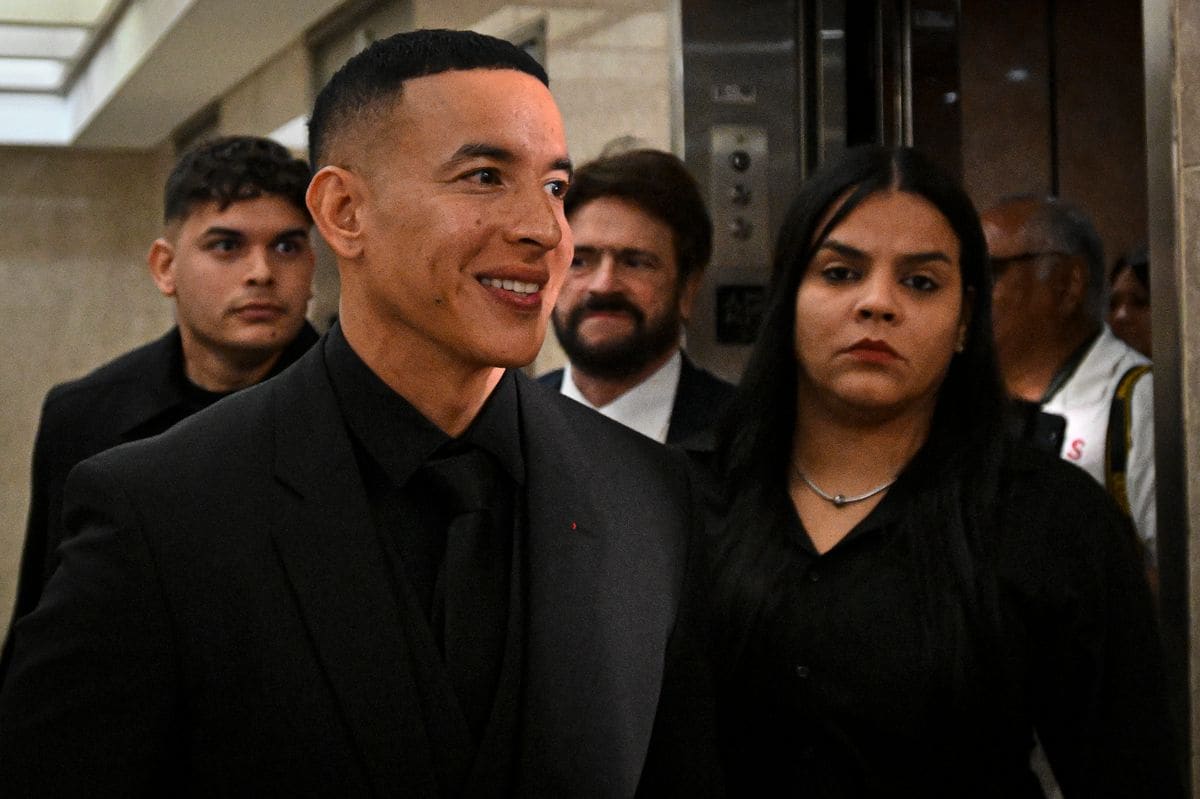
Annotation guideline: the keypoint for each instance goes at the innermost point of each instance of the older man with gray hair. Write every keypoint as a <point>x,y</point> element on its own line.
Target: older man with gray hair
<point>1056,351</point>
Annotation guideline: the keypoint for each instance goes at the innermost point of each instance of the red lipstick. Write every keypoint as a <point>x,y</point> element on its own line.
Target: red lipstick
<point>869,349</point>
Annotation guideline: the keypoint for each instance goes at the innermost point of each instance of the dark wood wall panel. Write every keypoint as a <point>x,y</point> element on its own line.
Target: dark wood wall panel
<point>1006,103</point>
<point>1053,100</point>
<point>1101,117</point>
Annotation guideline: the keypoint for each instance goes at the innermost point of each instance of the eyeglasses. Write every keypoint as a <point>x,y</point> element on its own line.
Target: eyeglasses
<point>1000,265</point>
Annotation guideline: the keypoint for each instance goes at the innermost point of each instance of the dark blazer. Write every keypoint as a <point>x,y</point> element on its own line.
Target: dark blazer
<point>698,403</point>
<point>137,395</point>
<point>224,622</point>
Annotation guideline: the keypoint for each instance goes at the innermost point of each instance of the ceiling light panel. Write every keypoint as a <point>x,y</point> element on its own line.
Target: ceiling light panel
<point>29,41</point>
<point>31,74</point>
<point>55,12</point>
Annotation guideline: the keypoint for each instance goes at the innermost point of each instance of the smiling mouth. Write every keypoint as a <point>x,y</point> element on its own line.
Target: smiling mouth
<point>515,286</point>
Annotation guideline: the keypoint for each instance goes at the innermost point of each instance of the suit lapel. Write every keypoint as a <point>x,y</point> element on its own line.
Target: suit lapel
<point>343,586</point>
<point>158,390</point>
<point>699,402</point>
<point>598,615</point>
<point>693,411</point>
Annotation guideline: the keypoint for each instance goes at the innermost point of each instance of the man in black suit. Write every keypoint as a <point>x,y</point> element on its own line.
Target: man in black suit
<point>291,594</point>
<point>235,258</point>
<point>642,240</point>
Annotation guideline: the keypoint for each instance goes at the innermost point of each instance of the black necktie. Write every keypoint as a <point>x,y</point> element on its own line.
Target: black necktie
<point>470,602</point>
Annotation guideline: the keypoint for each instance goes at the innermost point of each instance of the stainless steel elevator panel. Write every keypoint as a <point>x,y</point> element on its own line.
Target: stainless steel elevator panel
<point>739,201</point>
<point>738,194</point>
<point>744,143</point>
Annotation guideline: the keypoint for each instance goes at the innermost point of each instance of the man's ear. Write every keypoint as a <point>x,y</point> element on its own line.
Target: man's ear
<point>1074,285</point>
<point>687,294</point>
<point>161,260</point>
<point>335,200</point>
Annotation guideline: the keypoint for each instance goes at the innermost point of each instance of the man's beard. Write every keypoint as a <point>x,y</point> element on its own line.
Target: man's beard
<point>623,357</point>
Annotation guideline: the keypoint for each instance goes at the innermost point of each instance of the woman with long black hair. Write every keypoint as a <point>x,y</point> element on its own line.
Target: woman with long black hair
<point>896,599</point>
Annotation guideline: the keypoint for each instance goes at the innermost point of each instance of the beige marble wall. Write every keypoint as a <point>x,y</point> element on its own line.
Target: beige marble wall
<point>1172,57</point>
<point>76,227</point>
<point>1189,400</point>
<point>275,93</point>
<point>1186,49</point>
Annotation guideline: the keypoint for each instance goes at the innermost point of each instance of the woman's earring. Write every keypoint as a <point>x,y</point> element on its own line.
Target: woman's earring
<point>962,343</point>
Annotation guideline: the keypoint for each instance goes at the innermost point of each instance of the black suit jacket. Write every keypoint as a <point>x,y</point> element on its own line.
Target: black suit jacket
<point>134,396</point>
<point>698,404</point>
<point>223,621</point>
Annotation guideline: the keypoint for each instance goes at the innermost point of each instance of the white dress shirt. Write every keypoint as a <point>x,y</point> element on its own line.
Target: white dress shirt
<point>646,407</point>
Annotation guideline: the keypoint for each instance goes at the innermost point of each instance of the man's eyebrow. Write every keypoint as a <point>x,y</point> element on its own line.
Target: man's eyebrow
<point>480,150</point>
<point>226,232</point>
<point>626,252</point>
<point>620,252</point>
<point>234,233</point>
<point>565,165</point>
<point>501,154</point>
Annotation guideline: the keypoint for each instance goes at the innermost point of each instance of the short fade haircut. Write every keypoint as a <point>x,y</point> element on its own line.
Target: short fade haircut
<point>231,169</point>
<point>355,92</point>
<point>659,184</point>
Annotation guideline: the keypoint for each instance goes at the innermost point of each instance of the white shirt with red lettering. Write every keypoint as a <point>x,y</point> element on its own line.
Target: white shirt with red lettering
<point>1085,400</point>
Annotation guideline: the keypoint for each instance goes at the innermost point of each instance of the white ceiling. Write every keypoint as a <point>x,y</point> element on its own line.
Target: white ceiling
<point>156,64</point>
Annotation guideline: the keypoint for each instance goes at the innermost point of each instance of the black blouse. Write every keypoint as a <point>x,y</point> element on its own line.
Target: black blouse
<point>836,687</point>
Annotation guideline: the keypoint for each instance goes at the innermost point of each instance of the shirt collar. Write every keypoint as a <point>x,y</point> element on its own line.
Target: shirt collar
<point>497,427</point>
<point>646,407</point>
<point>397,435</point>
<point>177,388</point>
<point>1092,383</point>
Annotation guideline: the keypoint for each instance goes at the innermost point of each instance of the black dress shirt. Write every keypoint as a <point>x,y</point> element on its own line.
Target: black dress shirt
<point>392,441</point>
<point>832,689</point>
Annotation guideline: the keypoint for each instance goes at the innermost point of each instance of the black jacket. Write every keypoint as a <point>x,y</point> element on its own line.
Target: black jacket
<point>223,621</point>
<point>135,396</point>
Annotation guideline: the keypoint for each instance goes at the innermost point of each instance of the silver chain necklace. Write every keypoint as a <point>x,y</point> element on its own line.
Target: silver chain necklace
<point>841,500</point>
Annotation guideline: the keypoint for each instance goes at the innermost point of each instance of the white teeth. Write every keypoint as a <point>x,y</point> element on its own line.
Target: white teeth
<point>515,286</point>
